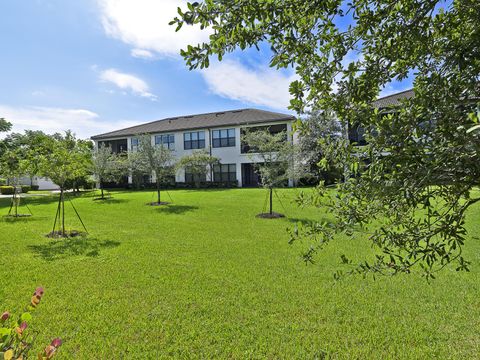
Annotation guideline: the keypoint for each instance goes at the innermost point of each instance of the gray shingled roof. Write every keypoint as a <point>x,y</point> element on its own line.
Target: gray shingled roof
<point>393,100</point>
<point>216,119</point>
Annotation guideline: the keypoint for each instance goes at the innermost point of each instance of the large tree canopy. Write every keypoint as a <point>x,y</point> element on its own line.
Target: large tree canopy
<point>423,159</point>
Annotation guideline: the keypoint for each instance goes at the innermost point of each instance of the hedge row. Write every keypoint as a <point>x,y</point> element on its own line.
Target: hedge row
<point>183,185</point>
<point>10,190</point>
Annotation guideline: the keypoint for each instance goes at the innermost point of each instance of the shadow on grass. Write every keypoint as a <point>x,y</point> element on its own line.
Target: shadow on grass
<point>309,221</point>
<point>110,200</point>
<point>176,209</point>
<point>12,220</point>
<point>63,248</point>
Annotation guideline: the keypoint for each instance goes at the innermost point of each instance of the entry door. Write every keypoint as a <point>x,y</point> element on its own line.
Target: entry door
<point>250,177</point>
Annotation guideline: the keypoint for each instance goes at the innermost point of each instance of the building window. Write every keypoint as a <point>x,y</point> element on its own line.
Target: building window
<point>167,140</point>
<point>194,140</point>
<point>192,178</point>
<point>272,129</point>
<point>225,172</point>
<point>134,144</point>
<point>223,138</point>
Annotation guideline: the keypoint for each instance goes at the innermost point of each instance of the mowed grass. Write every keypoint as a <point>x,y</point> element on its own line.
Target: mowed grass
<point>203,278</point>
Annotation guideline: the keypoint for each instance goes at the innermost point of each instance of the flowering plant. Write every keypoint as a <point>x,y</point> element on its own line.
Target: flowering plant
<point>15,338</point>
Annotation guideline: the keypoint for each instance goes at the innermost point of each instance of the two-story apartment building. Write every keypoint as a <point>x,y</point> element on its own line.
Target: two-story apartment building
<point>218,133</point>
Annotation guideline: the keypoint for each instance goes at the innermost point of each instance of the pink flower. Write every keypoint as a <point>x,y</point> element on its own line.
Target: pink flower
<point>56,342</point>
<point>38,292</point>
<point>5,316</point>
<point>20,329</point>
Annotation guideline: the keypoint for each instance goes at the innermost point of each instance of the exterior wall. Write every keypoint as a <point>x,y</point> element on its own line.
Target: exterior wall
<point>43,183</point>
<point>227,155</point>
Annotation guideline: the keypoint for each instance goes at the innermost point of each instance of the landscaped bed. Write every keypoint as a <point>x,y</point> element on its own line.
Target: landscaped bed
<point>202,277</point>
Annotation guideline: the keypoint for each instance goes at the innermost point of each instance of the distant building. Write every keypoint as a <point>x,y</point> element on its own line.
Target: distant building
<point>219,133</point>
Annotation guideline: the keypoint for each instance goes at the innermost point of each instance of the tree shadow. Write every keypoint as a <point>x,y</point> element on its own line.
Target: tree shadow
<point>40,200</point>
<point>177,209</point>
<point>12,220</point>
<point>110,200</point>
<point>309,221</point>
<point>77,246</point>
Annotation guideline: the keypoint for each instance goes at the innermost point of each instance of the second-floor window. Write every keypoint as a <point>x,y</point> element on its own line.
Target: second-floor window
<point>223,138</point>
<point>134,144</point>
<point>167,140</point>
<point>194,140</point>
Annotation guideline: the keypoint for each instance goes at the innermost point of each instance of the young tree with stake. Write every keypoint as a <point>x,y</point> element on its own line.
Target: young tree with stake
<point>68,159</point>
<point>198,163</point>
<point>156,160</point>
<point>275,157</point>
<point>107,167</point>
<point>12,165</point>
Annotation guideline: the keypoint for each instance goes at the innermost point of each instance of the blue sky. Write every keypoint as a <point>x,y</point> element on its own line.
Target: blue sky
<point>98,65</point>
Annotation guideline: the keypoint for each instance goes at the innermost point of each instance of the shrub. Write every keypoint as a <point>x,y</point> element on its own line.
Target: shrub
<point>26,188</point>
<point>3,182</point>
<point>15,338</point>
<point>7,190</point>
<point>89,184</point>
<point>35,187</point>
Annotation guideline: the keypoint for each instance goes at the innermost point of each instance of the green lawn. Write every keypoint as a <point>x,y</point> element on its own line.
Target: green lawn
<point>203,278</point>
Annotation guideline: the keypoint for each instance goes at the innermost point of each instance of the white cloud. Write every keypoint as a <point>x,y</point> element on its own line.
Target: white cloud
<point>127,82</point>
<point>142,54</point>
<point>84,123</point>
<point>143,24</point>
<point>260,86</point>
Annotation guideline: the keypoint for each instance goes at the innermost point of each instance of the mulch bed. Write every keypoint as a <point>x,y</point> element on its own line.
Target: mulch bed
<point>155,203</point>
<point>273,215</point>
<point>68,234</point>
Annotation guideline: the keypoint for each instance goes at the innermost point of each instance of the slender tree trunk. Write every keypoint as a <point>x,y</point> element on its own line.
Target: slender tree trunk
<point>271,201</point>
<point>15,203</point>
<point>158,191</point>
<point>101,189</point>
<point>63,211</point>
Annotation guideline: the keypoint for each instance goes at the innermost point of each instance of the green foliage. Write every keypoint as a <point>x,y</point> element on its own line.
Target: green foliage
<point>199,163</point>
<point>5,125</point>
<point>12,165</point>
<point>29,148</point>
<point>16,338</point>
<point>275,157</point>
<point>7,190</point>
<point>26,188</point>
<point>421,163</point>
<point>68,159</point>
<point>107,166</point>
<point>154,160</point>
<point>314,131</point>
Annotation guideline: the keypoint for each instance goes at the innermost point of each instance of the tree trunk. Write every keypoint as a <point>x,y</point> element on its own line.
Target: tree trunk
<point>101,189</point>
<point>271,201</point>
<point>158,191</point>
<point>15,203</point>
<point>63,211</point>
